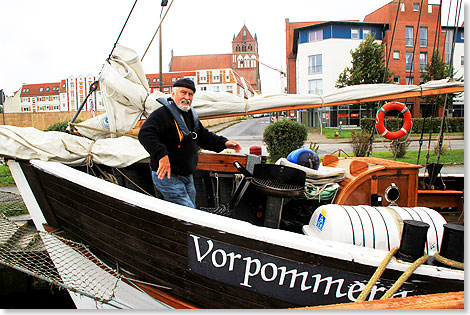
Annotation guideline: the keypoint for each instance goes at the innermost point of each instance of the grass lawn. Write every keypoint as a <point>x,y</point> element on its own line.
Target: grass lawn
<point>452,157</point>
<point>330,132</point>
<point>5,176</point>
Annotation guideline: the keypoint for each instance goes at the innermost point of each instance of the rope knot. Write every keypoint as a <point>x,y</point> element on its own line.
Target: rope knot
<point>89,157</point>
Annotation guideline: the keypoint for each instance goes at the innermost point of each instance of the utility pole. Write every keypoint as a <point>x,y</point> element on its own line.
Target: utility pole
<point>164,3</point>
<point>282,75</point>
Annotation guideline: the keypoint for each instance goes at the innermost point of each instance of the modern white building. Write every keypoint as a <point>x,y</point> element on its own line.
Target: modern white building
<point>323,51</point>
<point>457,109</point>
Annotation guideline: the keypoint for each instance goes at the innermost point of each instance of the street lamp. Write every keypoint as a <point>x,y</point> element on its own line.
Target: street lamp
<point>2,102</point>
<point>164,3</point>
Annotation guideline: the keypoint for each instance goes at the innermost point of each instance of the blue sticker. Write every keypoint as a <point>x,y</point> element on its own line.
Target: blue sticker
<point>321,220</point>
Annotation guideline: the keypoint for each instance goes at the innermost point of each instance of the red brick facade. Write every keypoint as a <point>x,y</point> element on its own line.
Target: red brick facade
<point>408,16</point>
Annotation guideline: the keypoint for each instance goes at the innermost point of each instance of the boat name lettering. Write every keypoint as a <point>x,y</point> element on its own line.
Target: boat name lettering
<point>278,277</point>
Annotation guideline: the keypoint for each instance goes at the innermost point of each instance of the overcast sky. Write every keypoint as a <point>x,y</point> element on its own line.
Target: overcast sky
<point>49,40</point>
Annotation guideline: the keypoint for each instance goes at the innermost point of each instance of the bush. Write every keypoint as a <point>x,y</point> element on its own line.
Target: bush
<point>283,137</point>
<point>442,151</point>
<point>399,148</point>
<point>60,126</point>
<point>360,142</point>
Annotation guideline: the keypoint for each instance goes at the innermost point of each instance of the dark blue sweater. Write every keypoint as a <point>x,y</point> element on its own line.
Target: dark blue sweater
<point>159,136</point>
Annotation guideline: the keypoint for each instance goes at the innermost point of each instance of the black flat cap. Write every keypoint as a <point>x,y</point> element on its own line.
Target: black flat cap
<point>187,83</point>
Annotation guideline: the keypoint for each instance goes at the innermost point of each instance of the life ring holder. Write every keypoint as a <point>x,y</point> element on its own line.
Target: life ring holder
<point>380,117</point>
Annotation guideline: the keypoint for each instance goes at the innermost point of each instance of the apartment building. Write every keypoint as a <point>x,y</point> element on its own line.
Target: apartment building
<point>214,80</point>
<point>317,52</point>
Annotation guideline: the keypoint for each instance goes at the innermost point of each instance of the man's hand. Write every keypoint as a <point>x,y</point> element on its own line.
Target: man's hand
<point>164,167</point>
<point>233,145</point>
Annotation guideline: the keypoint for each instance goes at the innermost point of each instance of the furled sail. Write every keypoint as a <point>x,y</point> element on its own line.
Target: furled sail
<point>127,97</point>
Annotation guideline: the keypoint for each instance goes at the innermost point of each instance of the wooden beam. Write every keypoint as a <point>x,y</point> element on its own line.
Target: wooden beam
<point>450,300</point>
<point>440,198</point>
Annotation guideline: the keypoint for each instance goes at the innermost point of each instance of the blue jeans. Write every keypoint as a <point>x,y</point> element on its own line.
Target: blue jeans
<point>177,189</point>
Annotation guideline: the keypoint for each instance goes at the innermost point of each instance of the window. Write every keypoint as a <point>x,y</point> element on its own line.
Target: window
<point>402,7</point>
<point>41,89</point>
<point>216,88</point>
<point>423,37</point>
<point>315,64</point>
<point>47,89</point>
<point>315,87</point>
<point>314,36</point>
<point>365,33</point>
<point>409,80</point>
<point>409,36</point>
<point>253,61</point>
<point>448,44</point>
<point>409,61</point>
<point>396,79</point>
<point>354,33</point>
<point>416,6</point>
<point>203,88</point>
<point>429,8</point>
<point>423,61</point>
<point>461,60</point>
<point>216,78</point>
<point>396,54</point>
<point>240,61</point>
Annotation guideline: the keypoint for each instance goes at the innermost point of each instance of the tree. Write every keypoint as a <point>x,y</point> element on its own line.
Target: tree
<point>437,69</point>
<point>368,67</point>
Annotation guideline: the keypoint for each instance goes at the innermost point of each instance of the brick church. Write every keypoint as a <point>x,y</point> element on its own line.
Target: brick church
<point>243,59</point>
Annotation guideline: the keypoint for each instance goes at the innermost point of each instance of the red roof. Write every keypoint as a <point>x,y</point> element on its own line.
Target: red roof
<point>41,89</point>
<point>244,36</point>
<point>167,78</point>
<point>200,62</point>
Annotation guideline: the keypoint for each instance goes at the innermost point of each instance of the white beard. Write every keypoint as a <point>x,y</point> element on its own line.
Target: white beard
<point>184,108</point>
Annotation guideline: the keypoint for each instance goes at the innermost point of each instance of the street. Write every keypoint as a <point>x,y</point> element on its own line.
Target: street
<point>250,132</point>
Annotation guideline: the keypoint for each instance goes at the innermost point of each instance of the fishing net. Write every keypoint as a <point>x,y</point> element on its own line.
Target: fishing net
<point>47,256</point>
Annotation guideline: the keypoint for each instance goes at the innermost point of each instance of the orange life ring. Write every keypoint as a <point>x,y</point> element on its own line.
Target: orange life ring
<point>379,120</point>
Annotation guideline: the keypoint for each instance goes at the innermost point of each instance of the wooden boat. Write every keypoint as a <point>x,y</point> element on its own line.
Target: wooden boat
<point>194,258</point>
<point>248,245</point>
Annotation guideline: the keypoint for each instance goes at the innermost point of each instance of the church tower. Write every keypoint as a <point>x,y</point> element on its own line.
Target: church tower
<point>245,57</point>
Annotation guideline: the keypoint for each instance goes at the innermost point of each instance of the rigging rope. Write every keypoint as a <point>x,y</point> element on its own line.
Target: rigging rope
<point>158,28</point>
<point>122,29</point>
<point>371,139</point>
<point>444,114</point>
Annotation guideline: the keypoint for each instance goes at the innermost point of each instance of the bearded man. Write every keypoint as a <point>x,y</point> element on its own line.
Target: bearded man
<point>172,135</point>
